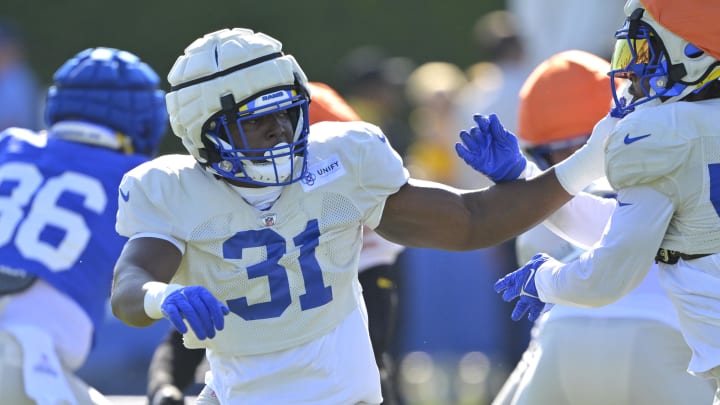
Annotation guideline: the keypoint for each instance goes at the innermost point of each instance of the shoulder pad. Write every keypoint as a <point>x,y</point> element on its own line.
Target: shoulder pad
<point>644,147</point>
<point>329,129</point>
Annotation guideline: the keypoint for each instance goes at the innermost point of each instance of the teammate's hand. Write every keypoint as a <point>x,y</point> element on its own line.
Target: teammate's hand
<point>521,283</point>
<point>196,305</point>
<point>491,149</point>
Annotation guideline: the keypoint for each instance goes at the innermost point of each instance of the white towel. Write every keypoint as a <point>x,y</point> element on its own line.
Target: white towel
<point>45,380</point>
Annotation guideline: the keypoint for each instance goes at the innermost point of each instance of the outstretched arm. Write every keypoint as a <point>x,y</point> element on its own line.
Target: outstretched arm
<point>614,267</point>
<point>426,214</point>
<point>433,215</point>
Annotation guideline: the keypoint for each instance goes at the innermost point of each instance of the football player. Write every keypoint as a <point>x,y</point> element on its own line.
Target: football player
<point>58,201</point>
<point>662,159</point>
<point>580,353</point>
<point>173,367</point>
<point>250,244</point>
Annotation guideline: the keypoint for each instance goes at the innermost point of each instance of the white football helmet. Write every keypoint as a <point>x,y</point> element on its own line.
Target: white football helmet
<point>670,68</point>
<point>235,75</point>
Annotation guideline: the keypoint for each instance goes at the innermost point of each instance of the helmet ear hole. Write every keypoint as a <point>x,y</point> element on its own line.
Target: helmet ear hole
<point>692,51</point>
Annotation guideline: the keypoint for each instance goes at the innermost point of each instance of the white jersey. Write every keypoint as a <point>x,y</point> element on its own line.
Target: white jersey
<point>288,274</point>
<point>647,301</point>
<point>675,149</point>
<point>664,161</point>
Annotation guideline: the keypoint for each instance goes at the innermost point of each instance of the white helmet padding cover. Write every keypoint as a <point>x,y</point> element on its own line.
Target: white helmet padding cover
<point>237,62</point>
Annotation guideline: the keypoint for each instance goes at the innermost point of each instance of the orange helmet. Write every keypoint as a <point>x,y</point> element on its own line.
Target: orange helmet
<point>328,105</point>
<point>696,21</point>
<point>563,98</point>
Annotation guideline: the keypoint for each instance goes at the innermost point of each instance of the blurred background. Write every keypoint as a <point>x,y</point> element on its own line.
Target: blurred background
<point>418,69</point>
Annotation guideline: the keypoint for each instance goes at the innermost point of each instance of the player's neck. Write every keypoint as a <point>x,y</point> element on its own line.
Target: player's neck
<point>260,198</point>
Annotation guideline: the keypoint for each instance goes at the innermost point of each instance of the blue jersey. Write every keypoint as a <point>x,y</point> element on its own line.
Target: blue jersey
<point>58,201</point>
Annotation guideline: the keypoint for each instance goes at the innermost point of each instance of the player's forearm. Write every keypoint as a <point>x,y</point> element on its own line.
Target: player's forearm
<point>128,295</point>
<point>141,273</point>
<point>433,215</point>
<point>619,261</point>
<point>593,280</point>
<point>509,209</point>
<point>506,210</point>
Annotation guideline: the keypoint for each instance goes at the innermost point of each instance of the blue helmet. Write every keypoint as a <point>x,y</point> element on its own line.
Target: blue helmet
<point>113,88</point>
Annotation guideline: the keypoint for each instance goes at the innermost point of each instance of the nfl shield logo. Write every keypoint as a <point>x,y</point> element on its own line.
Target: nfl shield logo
<point>269,219</point>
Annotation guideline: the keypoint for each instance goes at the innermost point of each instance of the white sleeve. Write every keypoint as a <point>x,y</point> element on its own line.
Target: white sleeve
<point>619,262</point>
<point>382,173</point>
<point>582,220</point>
<point>180,245</point>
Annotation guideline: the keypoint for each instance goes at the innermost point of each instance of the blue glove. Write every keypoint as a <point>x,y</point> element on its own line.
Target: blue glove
<point>521,283</point>
<point>491,149</point>
<point>199,307</point>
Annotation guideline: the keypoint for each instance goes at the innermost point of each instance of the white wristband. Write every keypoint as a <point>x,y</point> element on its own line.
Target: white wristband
<point>155,294</point>
<point>531,170</point>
